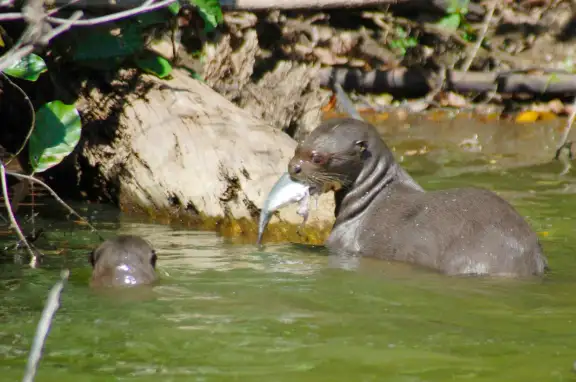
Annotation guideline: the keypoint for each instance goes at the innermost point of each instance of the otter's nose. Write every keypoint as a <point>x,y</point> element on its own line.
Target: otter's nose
<point>294,167</point>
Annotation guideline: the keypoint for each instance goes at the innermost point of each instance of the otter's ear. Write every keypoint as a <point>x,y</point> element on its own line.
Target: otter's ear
<point>362,147</point>
<point>153,259</point>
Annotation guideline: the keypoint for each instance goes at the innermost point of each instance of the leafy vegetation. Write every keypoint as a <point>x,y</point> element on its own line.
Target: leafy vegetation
<point>403,41</point>
<point>28,68</point>
<point>56,133</point>
<point>58,126</point>
<point>456,19</point>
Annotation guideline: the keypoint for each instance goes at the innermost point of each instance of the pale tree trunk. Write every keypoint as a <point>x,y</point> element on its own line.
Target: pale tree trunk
<point>178,145</point>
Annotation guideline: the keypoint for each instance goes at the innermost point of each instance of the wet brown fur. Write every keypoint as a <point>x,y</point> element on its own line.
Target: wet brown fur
<point>121,258</point>
<point>382,212</point>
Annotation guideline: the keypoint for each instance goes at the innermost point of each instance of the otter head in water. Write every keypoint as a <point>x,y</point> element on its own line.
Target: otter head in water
<point>125,260</point>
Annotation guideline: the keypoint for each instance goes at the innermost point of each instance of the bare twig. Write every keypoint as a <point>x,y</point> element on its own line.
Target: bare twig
<point>564,139</point>
<point>144,8</point>
<point>566,160</point>
<point>14,223</point>
<point>12,16</point>
<point>36,35</point>
<point>55,195</point>
<point>52,305</point>
<point>484,30</point>
<point>21,50</point>
<point>32,115</point>
<point>345,103</point>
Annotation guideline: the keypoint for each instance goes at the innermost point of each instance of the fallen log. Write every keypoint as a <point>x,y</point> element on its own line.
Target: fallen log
<point>177,148</point>
<point>415,82</point>
<point>252,5</point>
<point>475,10</point>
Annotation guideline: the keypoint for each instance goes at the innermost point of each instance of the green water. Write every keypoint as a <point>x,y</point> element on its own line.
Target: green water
<point>226,312</point>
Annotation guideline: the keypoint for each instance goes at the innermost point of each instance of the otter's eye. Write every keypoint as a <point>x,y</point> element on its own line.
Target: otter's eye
<point>318,158</point>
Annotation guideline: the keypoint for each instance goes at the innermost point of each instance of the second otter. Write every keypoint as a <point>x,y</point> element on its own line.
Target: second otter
<point>382,212</point>
<point>125,260</point>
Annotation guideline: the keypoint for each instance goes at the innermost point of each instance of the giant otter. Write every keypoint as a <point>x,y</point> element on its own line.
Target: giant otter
<point>382,212</point>
<point>125,260</point>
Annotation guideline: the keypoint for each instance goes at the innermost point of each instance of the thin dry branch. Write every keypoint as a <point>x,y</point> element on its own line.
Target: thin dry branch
<point>564,139</point>
<point>481,37</point>
<point>24,48</point>
<point>40,33</point>
<point>476,10</point>
<point>14,223</point>
<point>144,8</point>
<point>58,199</point>
<point>50,308</point>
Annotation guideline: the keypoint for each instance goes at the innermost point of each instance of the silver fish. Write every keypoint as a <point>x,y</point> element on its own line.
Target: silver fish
<point>285,192</point>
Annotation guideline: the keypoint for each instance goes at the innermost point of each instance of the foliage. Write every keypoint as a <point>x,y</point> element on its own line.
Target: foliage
<point>56,134</point>
<point>456,19</point>
<point>211,13</point>
<point>403,41</point>
<point>108,48</point>
<point>103,43</point>
<point>154,64</point>
<point>57,127</point>
<point>29,68</point>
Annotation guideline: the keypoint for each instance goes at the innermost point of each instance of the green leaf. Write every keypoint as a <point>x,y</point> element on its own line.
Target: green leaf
<point>450,22</point>
<point>56,133</point>
<point>470,37</point>
<point>154,64</point>
<point>28,68</point>
<point>210,11</point>
<point>101,43</point>
<point>174,7</point>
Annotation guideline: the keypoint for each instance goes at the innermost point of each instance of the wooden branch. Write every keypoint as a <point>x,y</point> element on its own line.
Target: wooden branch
<point>50,307</point>
<point>485,25</point>
<point>13,223</point>
<point>413,82</point>
<point>265,5</point>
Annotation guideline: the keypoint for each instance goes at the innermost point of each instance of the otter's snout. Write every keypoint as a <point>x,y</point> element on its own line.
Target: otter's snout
<point>295,167</point>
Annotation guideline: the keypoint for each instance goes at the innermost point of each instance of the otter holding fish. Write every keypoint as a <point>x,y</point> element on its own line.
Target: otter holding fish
<point>382,212</point>
<point>125,260</point>
<point>285,191</point>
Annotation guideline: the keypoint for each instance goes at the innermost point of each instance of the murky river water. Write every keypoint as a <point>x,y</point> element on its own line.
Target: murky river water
<point>227,312</point>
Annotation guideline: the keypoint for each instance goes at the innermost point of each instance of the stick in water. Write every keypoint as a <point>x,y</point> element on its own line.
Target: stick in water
<point>14,224</point>
<point>345,103</point>
<point>52,305</point>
